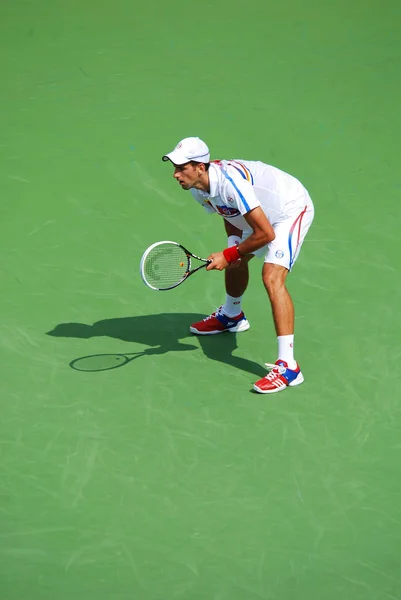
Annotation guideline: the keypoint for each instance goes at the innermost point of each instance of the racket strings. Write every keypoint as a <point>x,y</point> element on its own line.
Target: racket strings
<point>166,265</point>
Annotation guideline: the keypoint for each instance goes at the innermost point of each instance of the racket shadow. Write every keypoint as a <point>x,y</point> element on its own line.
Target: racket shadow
<point>106,362</point>
<point>162,333</point>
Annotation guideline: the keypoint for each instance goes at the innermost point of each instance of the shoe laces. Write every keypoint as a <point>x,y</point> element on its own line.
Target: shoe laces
<point>214,314</point>
<point>275,371</point>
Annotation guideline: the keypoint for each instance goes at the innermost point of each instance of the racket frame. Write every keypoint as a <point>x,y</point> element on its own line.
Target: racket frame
<point>187,273</point>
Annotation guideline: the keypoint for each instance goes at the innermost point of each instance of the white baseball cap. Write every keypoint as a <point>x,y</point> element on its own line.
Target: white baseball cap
<point>190,148</point>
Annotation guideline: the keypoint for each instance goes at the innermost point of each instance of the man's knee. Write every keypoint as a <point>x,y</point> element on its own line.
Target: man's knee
<point>274,276</point>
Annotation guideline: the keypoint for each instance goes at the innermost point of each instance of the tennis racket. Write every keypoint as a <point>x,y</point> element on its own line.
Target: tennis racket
<point>165,265</point>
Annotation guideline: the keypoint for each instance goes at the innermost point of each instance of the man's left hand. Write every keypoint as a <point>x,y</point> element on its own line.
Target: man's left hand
<point>219,262</point>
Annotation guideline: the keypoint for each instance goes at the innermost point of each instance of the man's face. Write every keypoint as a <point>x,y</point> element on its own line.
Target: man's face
<point>188,175</point>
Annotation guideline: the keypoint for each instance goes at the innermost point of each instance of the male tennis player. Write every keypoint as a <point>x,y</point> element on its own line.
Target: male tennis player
<point>266,213</point>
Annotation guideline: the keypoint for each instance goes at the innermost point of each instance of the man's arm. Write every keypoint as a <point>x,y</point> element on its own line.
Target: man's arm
<point>263,233</point>
<point>240,194</point>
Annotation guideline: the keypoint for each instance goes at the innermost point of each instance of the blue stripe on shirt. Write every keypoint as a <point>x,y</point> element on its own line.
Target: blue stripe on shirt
<point>226,175</point>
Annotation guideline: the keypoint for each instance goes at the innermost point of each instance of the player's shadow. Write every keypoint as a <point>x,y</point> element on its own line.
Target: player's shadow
<point>162,333</point>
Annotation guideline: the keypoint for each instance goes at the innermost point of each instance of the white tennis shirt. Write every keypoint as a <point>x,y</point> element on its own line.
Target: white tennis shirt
<point>238,186</point>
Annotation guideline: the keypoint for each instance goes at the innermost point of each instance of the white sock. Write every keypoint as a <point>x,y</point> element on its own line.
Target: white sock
<point>286,350</point>
<point>233,240</point>
<point>232,307</point>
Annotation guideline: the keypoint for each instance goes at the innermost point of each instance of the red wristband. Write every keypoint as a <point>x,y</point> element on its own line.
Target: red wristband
<point>231,254</point>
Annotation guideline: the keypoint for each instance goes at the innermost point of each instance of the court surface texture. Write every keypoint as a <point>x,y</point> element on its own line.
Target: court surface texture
<point>136,462</point>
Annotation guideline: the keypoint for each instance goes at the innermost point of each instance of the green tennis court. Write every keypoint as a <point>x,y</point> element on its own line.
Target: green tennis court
<point>135,461</point>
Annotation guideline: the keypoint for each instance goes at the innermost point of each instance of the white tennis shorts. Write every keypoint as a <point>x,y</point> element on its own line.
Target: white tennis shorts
<point>290,234</point>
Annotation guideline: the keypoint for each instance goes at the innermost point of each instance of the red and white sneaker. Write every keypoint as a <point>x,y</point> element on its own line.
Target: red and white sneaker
<point>218,322</point>
<point>279,377</point>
